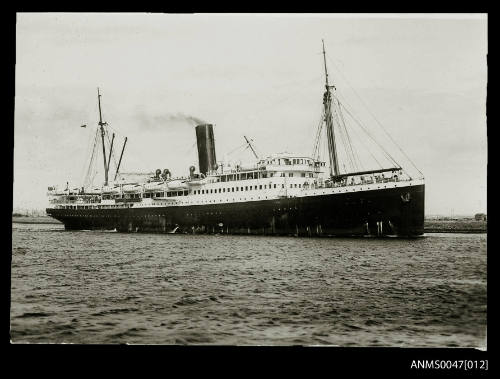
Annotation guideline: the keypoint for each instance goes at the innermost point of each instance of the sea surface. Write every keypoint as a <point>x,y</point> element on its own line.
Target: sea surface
<point>105,287</point>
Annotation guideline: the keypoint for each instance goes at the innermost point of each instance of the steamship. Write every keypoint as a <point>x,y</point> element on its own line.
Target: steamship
<point>282,194</point>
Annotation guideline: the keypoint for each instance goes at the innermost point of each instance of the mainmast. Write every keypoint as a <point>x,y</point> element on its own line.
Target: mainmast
<point>101,124</point>
<point>327,104</point>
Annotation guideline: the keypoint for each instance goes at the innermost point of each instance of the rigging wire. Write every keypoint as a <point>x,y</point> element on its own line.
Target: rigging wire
<point>91,162</point>
<point>87,157</point>
<point>325,148</point>
<point>354,155</point>
<point>320,144</point>
<point>86,115</point>
<point>344,104</point>
<point>317,139</point>
<point>369,135</point>
<point>375,118</point>
<point>344,140</point>
<point>92,170</point>
<point>367,149</point>
<point>245,145</point>
<point>115,131</point>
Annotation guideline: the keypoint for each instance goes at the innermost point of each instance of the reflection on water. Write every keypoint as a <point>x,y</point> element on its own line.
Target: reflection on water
<point>95,287</point>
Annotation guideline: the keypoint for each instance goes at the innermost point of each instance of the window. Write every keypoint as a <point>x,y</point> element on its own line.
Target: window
<point>220,190</point>
<point>232,189</point>
<point>274,185</point>
<point>291,185</point>
<point>246,188</point>
<point>290,174</point>
<point>303,174</point>
<point>260,187</point>
<point>295,185</point>
<point>265,186</point>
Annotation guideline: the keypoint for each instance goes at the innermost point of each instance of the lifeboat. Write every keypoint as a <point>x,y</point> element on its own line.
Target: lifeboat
<point>109,189</point>
<point>177,185</point>
<point>154,187</point>
<point>94,191</point>
<point>132,188</point>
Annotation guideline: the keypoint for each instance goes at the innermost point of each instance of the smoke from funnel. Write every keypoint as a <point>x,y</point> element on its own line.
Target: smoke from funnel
<point>183,117</point>
<point>156,121</point>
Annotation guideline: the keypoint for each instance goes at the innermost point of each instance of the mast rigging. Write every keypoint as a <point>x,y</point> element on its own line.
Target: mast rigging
<point>327,104</point>
<point>102,124</point>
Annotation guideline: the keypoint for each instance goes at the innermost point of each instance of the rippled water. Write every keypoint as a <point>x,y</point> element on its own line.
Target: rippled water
<point>104,287</point>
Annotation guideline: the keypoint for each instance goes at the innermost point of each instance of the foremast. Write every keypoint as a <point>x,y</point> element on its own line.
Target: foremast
<point>327,105</point>
<point>103,133</point>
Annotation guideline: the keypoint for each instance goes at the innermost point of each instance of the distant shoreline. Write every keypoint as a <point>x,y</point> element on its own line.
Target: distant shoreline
<point>35,220</point>
<point>459,231</point>
<point>455,226</point>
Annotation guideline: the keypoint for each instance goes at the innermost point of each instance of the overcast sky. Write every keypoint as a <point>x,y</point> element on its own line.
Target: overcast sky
<point>423,77</point>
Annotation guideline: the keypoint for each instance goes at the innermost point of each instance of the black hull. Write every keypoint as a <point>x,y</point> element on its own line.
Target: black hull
<point>379,212</point>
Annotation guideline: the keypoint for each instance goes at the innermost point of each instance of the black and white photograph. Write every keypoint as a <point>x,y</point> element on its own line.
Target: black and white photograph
<point>237,179</point>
